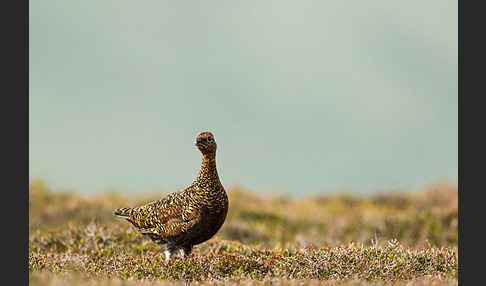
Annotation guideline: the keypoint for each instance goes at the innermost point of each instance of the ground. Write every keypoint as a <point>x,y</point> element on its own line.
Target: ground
<point>399,238</point>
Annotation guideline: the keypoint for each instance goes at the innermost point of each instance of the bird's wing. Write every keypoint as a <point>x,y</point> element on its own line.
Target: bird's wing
<point>172,228</point>
<point>168,217</point>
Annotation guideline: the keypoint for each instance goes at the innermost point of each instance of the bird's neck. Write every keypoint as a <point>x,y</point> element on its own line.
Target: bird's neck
<point>208,174</point>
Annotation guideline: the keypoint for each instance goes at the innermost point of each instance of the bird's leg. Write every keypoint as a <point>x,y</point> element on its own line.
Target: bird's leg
<point>185,251</point>
<point>169,252</point>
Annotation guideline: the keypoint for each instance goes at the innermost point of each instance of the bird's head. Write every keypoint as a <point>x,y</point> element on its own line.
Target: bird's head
<point>205,143</point>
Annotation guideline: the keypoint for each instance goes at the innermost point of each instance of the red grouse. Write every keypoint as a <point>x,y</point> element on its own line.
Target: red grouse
<point>190,216</point>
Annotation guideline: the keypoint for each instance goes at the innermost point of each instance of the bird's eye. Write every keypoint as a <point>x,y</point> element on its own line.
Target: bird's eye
<point>210,139</point>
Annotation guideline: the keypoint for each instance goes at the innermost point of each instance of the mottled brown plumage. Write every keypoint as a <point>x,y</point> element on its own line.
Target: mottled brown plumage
<point>188,217</point>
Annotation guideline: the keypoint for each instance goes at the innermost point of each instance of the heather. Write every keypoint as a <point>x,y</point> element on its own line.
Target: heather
<point>341,239</point>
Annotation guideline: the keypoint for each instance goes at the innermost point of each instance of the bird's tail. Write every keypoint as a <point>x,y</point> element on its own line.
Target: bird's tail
<point>123,213</point>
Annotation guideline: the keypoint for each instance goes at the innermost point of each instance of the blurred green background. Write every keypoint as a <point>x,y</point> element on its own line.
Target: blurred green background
<point>302,96</point>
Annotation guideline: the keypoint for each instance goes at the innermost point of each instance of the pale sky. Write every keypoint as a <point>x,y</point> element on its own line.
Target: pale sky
<point>302,96</point>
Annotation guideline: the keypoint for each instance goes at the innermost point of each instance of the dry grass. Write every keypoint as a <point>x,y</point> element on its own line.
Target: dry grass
<point>329,240</point>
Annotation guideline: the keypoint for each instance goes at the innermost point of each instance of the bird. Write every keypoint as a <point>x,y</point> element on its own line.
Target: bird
<point>187,217</point>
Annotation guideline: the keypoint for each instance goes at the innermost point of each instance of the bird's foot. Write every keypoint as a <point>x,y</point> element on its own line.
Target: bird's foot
<point>168,255</point>
<point>185,251</point>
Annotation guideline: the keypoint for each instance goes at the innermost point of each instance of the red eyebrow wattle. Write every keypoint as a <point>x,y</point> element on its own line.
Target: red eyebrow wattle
<point>205,134</point>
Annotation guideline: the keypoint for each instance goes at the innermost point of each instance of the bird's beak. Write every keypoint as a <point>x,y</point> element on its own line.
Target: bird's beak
<point>199,142</point>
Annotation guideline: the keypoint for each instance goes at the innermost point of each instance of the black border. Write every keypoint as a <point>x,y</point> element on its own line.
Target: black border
<point>470,116</point>
<point>15,147</point>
